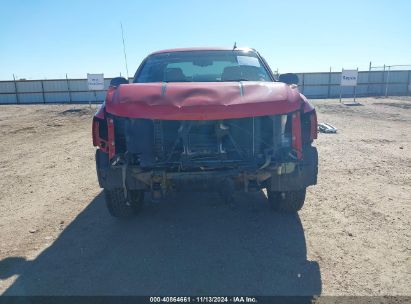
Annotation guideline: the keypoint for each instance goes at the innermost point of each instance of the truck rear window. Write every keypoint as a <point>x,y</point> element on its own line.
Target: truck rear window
<point>202,66</point>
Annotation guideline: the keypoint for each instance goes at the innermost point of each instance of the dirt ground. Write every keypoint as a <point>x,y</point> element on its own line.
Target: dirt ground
<point>353,236</point>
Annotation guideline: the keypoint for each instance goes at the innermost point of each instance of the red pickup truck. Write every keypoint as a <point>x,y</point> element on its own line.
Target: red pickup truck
<point>210,119</point>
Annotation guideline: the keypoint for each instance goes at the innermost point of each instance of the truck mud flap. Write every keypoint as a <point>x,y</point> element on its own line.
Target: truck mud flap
<point>102,164</point>
<point>304,175</point>
<point>110,177</point>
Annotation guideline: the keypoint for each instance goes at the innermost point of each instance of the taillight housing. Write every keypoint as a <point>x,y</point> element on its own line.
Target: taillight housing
<point>309,126</point>
<point>99,133</point>
<point>313,125</point>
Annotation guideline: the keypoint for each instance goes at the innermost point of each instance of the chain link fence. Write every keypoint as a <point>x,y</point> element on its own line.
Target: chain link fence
<point>378,81</point>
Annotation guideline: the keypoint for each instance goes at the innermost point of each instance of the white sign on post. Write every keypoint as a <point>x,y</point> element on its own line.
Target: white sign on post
<point>349,78</point>
<point>95,82</point>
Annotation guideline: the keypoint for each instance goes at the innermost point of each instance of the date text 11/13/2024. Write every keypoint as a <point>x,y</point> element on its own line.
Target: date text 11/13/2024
<point>203,300</point>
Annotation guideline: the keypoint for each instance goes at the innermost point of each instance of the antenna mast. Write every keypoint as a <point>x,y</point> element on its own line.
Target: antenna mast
<point>124,49</point>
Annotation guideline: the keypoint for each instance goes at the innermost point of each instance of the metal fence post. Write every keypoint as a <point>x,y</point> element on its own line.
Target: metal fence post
<point>386,82</point>
<point>42,91</point>
<point>15,90</point>
<point>355,87</point>
<point>329,84</point>
<point>368,80</point>
<point>68,88</point>
<point>303,84</point>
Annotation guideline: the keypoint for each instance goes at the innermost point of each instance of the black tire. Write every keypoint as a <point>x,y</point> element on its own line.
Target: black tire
<point>288,201</point>
<point>119,206</point>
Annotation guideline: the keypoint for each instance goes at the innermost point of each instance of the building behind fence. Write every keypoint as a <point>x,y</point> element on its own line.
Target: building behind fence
<point>312,85</point>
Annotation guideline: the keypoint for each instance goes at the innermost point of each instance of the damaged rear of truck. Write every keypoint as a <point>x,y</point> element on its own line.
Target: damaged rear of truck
<point>206,120</point>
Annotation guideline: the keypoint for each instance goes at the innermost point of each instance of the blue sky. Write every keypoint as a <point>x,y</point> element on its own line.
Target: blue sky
<point>47,39</point>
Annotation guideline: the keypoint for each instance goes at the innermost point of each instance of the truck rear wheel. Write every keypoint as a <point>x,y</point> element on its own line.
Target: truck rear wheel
<point>288,201</point>
<point>120,206</point>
